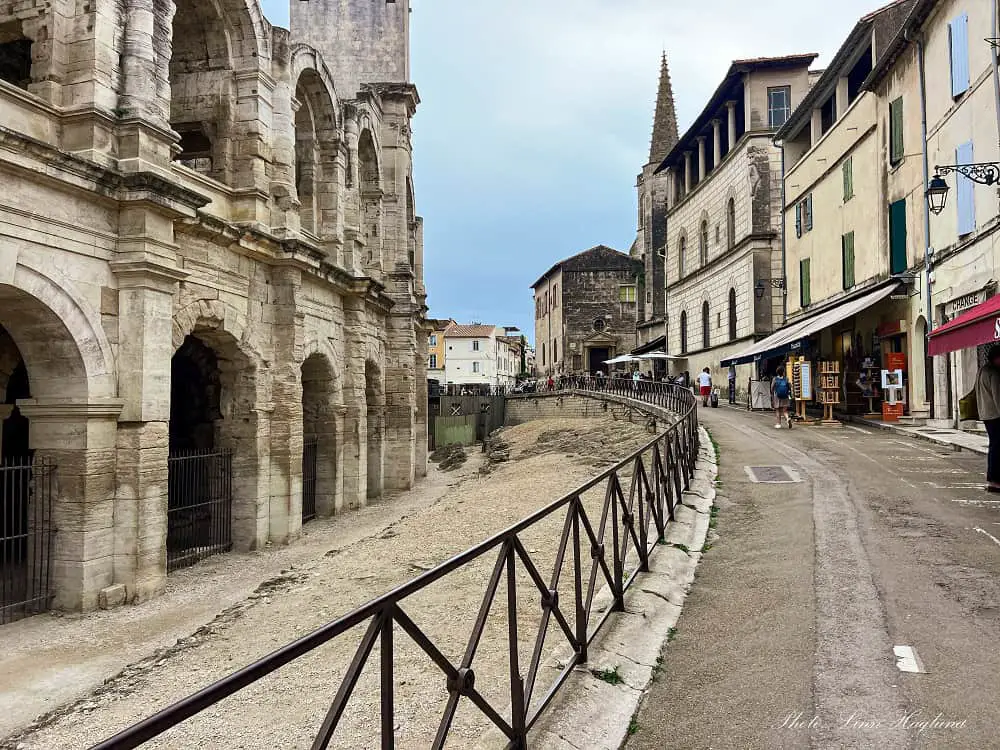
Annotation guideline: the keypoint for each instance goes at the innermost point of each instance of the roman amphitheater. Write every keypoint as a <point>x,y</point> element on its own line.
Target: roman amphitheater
<point>211,284</point>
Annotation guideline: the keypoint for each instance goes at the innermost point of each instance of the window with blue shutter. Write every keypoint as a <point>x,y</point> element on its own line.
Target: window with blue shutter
<point>897,237</point>
<point>958,38</point>
<point>965,196</point>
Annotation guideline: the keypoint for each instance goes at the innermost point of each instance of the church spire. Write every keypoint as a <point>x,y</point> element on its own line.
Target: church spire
<point>665,121</point>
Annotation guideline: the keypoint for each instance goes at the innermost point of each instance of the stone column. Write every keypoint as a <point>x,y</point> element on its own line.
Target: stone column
<point>285,506</point>
<point>716,141</point>
<point>701,159</point>
<point>355,418</point>
<point>249,129</point>
<point>687,172</point>
<point>420,455</point>
<point>284,218</point>
<point>843,89</point>
<point>145,295</point>
<point>78,439</point>
<point>816,126</point>
<point>731,124</point>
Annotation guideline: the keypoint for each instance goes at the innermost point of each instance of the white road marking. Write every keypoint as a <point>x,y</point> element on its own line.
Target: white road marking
<point>982,531</point>
<point>857,429</point>
<point>907,660</point>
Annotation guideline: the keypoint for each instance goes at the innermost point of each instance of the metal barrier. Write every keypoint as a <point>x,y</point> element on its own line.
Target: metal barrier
<point>199,506</point>
<point>310,465</point>
<point>26,533</point>
<point>598,550</point>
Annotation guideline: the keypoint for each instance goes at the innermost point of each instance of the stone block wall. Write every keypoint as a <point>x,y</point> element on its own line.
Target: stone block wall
<point>521,409</point>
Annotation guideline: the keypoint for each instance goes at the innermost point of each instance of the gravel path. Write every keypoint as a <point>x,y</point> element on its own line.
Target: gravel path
<point>343,563</point>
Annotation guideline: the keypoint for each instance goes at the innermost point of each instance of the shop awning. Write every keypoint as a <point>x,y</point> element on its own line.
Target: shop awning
<point>656,345</point>
<point>978,325</point>
<point>786,339</point>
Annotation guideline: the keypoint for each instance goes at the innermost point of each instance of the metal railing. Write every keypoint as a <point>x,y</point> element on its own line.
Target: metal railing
<point>26,532</point>
<point>310,466</point>
<point>199,506</point>
<point>607,548</point>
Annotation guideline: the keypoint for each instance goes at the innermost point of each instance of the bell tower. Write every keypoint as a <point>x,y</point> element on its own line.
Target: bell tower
<point>362,41</point>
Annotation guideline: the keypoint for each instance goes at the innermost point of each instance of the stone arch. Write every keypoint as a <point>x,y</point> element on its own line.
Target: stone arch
<point>731,220</point>
<point>322,420</point>
<point>703,238</point>
<point>317,143</point>
<point>706,325</point>
<point>375,434</point>
<point>201,48</point>
<point>307,60</point>
<point>211,354</point>
<point>682,252</point>
<point>684,331</point>
<point>369,174</point>
<point>732,314</point>
<point>922,366</point>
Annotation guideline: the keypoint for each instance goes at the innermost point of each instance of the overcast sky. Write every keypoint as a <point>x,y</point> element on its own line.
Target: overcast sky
<point>536,116</point>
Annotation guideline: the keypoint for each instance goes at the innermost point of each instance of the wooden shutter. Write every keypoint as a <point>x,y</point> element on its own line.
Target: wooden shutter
<point>809,213</point>
<point>958,36</point>
<point>805,290</point>
<point>896,131</point>
<point>897,237</point>
<point>798,219</point>
<point>965,196</point>
<point>848,179</point>
<point>847,250</point>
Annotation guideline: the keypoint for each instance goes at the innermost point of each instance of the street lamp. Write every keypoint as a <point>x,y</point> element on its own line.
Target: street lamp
<point>760,288</point>
<point>985,173</point>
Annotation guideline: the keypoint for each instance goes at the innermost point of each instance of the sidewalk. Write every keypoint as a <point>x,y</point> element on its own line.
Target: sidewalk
<point>958,439</point>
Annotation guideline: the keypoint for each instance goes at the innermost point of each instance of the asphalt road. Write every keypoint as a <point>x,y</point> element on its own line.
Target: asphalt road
<point>788,637</point>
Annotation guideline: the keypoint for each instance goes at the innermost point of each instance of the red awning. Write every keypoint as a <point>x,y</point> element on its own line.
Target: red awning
<point>980,325</point>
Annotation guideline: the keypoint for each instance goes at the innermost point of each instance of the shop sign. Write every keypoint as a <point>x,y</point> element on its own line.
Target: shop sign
<point>966,302</point>
<point>891,329</point>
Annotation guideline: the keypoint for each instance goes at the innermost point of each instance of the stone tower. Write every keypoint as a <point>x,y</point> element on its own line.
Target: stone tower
<point>652,193</point>
<point>362,41</point>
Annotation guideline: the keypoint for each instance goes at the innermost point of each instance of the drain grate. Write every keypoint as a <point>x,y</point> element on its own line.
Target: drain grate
<point>772,475</point>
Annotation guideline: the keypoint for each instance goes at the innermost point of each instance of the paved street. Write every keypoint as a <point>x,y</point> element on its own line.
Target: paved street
<point>787,639</point>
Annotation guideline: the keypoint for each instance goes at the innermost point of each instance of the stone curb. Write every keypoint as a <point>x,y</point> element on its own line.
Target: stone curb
<point>591,713</point>
<point>914,435</point>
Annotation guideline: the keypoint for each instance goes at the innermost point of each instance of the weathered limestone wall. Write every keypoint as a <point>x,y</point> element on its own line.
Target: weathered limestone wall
<point>521,409</point>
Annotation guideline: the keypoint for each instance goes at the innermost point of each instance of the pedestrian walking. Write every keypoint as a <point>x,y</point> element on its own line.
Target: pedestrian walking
<point>988,406</point>
<point>551,383</point>
<point>705,385</point>
<point>636,377</point>
<point>781,394</point>
<point>732,384</point>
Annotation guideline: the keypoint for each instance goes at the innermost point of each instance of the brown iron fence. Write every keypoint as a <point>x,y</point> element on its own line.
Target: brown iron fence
<point>26,532</point>
<point>310,464</point>
<point>199,506</point>
<point>607,547</point>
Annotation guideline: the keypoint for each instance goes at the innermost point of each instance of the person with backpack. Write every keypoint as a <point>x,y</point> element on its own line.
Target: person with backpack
<point>781,394</point>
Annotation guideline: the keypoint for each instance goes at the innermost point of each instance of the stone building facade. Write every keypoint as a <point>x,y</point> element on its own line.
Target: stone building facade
<point>721,222</point>
<point>585,312</point>
<point>211,273</point>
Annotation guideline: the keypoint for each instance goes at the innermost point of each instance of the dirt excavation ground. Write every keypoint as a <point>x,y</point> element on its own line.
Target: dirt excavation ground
<point>82,678</point>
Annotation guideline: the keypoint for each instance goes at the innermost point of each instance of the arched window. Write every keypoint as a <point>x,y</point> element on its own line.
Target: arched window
<point>681,256</point>
<point>732,314</point>
<point>706,333</point>
<point>684,332</point>
<point>703,242</point>
<point>731,223</point>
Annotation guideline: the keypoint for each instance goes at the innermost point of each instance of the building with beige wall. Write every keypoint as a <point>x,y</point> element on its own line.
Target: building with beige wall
<point>436,349</point>
<point>722,216</point>
<point>211,271</point>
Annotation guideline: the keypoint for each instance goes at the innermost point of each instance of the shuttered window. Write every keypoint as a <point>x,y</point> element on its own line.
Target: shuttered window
<point>958,38</point>
<point>896,131</point>
<point>809,212</point>
<point>847,251</point>
<point>897,237</point>
<point>798,219</point>
<point>805,290</point>
<point>848,179</point>
<point>965,196</point>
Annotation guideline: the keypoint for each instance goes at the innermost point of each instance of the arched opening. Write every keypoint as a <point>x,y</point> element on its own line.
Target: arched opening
<point>375,407</point>
<point>703,242</point>
<point>731,223</point>
<point>319,438</point>
<point>212,439</point>
<point>15,54</point>
<point>681,256</point>
<point>371,198</point>
<point>732,314</point>
<point>706,332</point>
<point>210,42</point>
<point>306,162</point>
<point>684,332</point>
<point>411,225</point>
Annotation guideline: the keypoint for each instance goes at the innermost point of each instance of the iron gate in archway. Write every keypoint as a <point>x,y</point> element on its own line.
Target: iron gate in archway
<point>310,464</point>
<point>199,506</point>
<point>26,532</point>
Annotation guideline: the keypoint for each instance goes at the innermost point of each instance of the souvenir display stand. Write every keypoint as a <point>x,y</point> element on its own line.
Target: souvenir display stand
<point>829,391</point>
<point>870,373</point>
<point>802,387</point>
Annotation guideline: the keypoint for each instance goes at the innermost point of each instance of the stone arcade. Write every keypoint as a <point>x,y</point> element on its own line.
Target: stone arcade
<point>211,284</point>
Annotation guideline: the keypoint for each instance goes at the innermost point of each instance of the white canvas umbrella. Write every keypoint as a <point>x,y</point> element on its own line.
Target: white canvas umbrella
<point>660,356</point>
<point>620,360</point>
